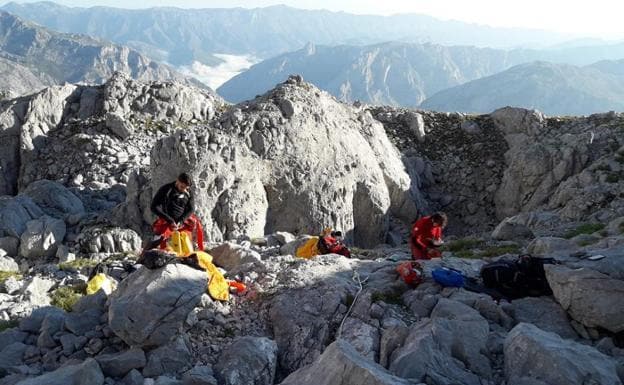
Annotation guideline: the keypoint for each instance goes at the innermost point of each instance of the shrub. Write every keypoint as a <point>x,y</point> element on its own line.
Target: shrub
<point>65,297</point>
<point>78,264</point>
<point>462,244</point>
<point>586,228</point>
<point>4,275</point>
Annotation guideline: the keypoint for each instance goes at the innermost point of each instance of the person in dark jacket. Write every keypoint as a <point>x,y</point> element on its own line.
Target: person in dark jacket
<point>426,236</point>
<point>173,204</point>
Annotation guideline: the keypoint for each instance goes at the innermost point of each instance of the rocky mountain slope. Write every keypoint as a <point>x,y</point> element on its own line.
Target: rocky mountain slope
<point>556,89</point>
<point>402,74</point>
<point>37,57</point>
<point>180,36</point>
<point>83,162</point>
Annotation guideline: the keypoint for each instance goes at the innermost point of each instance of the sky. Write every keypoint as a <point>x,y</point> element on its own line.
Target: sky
<point>593,18</point>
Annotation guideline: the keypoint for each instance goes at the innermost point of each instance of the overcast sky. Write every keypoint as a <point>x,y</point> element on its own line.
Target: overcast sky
<point>598,18</point>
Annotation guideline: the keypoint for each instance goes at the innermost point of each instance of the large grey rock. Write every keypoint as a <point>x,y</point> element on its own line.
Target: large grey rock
<point>54,199</point>
<point>42,237</point>
<point>36,291</point>
<point>510,229</point>
<point>544,313</point>
<point>15,213</point>
<point>591,298</point>
<point>9,336</point>
<point>118,125</point>
<point>87,372</point>
<point>8,264</point>
<point>393,334</point>
<point>10,245</point>
<point>552,246</point>
<point>119,364</point>
<point>168,359</point>
<point>416,124</point>
<point>266,174</point>
<point>230,255</point>
<point>247,361</point>
<point>11,355</point>
<point>446,348</point>
<point>304,318</point>
<point>149,306</point>
<point>33,322</point>
<point>107,239</point>
<point>340,364</point>
<point>533,353</point>
<point>199,375</point>
<point>362,336</point>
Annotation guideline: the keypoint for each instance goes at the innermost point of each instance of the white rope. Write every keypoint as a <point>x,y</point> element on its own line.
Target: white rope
<point>360,283</point>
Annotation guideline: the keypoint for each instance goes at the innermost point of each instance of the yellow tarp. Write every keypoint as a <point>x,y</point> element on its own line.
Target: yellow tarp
<point>218,287</point>
<point>100,281</point>
<point>309,249</point>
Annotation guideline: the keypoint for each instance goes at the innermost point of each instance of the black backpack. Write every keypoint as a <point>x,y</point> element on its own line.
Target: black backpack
<point>519,278</point>
<point>156,258</point>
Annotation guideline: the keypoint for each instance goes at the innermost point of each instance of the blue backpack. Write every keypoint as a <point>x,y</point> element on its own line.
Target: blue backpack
<point>448,277</point>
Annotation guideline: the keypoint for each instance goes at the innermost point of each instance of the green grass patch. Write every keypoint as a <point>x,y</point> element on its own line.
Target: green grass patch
<point>65,297</point>
<point>462,244</point>
<point>467,254</point>
<point>495,251</point>
<point>4,325</point>
<point>389,298</point>
<point>613,178</point>
<point>587,242</point>
<point>586,228</point>
<point>78,264</point>
<point>4,275</point>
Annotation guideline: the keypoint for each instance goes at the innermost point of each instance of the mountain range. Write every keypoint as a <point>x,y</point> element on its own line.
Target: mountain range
<point>32,57</point>
<point>556,89</point>
<point>181,36</point>
<point>404,74</point>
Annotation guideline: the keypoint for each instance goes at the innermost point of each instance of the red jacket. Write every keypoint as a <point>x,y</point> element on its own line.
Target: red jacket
<point>423,231</point>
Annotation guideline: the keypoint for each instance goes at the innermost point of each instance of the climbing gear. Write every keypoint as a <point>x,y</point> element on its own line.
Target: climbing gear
<point>411,272</point>
<point>309,249</point>
<point>521,277</point>
<point>448,277</point>
<point>355,278</point>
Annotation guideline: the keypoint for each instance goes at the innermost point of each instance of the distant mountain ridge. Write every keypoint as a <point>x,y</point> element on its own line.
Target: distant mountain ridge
<point>555,89</point>
<point>34,57</point>
<point>181,36</point>
<point>399,74</point>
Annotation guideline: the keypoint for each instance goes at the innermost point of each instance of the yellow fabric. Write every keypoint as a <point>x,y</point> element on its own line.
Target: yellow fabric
<point>100,281</point>
<point>180,243</point>
<point>309,249</point>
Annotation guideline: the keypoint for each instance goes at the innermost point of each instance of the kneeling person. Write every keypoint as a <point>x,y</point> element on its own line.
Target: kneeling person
<point>174,206</point>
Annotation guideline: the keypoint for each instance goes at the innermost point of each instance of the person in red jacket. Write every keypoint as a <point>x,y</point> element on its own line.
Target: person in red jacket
<point>426,235</point>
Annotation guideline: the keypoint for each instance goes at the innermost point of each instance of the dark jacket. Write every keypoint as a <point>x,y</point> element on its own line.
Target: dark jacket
<point>172,205</point>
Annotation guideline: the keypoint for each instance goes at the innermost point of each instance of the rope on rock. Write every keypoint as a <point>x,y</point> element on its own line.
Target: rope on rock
<point>360,283</point>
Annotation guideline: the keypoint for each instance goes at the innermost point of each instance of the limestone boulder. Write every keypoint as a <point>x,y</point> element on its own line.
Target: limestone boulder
<point>87,372</point>
<point>54,199</point>
<point>544,313</point>
<point>266,173</point>
<point>341,364</point>
<point>149,306</point>
<point>230,255</point>
<point>42,237</point>
<point>592,298</point>
<point>248,361</point>
<point>531,353</point>
<point>15,213</point>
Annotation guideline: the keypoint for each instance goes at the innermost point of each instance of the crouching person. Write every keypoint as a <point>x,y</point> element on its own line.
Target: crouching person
<point>173,204</point>
<point>426,236</point>
<point>330,242</point>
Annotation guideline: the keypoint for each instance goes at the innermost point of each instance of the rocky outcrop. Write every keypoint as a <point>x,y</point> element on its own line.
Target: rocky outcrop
<point>341,364</point>
<point>266,175</point>
<point>147,309</point>
<point>42,237</point>
<point>86,372</point>
<point>39,130</point>
<point>590,297</point>
<point>248,361</point>
<point>531,353</point>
